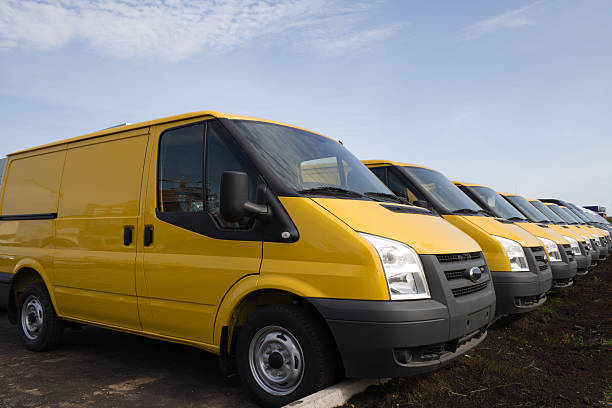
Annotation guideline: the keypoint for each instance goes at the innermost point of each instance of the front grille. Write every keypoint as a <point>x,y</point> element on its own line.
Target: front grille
<point>466,290</point>
<point>459,257</point>
<point>455,274</point>
<point>568,251</point>
<point>540,257</point>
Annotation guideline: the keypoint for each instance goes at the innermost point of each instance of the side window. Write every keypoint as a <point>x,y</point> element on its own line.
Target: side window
<point>219,158</point>
<point>400,188</point>
<point>380,172</point>
<point>180,170</point>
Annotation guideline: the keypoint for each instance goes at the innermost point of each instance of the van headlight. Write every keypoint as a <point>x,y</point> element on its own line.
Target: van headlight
<point>587,243</point>
<point>515,254</point>
<point>551,249</point>
<point>597,241</point>
<point>403,268</point>
<point>574,245</point>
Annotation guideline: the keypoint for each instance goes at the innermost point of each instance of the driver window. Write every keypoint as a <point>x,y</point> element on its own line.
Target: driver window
<point>180,170</point>
<point>220,158</point>
<point>400,188</point>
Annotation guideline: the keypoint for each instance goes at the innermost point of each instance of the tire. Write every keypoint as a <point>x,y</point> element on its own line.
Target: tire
<point>39,326</point>
<point>265,345</point>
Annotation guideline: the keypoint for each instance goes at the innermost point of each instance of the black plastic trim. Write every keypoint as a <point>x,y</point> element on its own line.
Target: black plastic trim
<point>23,217</point>
<point>6,281</point>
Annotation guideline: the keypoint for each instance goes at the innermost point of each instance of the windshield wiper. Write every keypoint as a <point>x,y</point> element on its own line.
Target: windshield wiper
<point>465,210</point>
<point>392,197</point>
<point>331,191</point>
<point>489,213</point>
<point>516,219</point>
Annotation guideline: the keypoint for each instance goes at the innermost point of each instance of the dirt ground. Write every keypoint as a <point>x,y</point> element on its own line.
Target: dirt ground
<point>102,368</point>
<point>557,356</point>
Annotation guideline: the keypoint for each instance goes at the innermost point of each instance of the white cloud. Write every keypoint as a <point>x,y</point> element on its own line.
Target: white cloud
<point>513,19</point>
<point>177,29</point>
<point>334,41</point>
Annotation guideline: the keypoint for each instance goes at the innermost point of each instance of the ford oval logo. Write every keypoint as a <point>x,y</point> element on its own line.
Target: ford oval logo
<point>474,274</point>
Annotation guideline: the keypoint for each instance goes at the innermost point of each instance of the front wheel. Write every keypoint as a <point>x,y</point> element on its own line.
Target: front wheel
<point>284,353</point>
<point>39,326</point>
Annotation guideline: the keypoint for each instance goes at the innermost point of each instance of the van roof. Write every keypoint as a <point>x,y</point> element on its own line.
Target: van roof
<point>469,184</point>
<point>394,163</point>
<point>132,126</point>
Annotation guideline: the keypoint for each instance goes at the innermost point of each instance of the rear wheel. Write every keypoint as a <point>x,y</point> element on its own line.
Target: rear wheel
<point>283,354</point>
<point>39,326</point>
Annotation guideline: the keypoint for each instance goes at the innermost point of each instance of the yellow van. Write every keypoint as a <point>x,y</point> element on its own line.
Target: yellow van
<point>520,271</point>
<point>558,248</point>
<point>267,244</point>
<point>536,211</point>
<point>597,249</point>
<point>603,243</point>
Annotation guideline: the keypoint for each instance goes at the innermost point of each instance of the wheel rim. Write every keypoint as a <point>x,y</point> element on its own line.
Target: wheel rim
<point>276,360</point>
<point>32,317</point>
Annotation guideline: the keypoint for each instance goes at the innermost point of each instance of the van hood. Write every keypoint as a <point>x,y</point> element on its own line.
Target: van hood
<point>569,232</point>
<point>427,234</point>
<point>510,231</point>
<point>544,232</point>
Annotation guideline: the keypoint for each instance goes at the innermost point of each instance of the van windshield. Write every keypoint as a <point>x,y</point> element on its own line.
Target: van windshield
<point>308,163</point>
<point>447,196</point>
<point>564,213</point>
<point>578,213</point>
<point>550,214</point>
<point>496,203</point>
<point>532,213</point>
<point>598,218</point>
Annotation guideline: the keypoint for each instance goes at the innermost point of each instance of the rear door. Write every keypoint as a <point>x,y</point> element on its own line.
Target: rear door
<point>191,257</point>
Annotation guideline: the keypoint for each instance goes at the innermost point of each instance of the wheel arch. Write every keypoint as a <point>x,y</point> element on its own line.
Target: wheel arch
<point>26,273</point>
<point>237,307</point>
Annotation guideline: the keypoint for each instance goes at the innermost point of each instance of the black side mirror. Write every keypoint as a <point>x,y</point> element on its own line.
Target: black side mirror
<point>421,203</point>
<point>234,198</point>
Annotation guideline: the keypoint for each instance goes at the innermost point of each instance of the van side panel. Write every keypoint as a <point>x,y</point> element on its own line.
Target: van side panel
<point>100,197</point>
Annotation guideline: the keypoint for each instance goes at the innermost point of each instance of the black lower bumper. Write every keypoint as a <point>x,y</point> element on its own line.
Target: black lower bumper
<point>602,252</point>
<point>400,338</point>
<point>520,292</point>
<point>563,274</point>
<point>584,263</point>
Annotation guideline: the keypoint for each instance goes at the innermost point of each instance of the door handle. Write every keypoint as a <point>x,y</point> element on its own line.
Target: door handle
<point>148,235</point>
<point>128,235</point>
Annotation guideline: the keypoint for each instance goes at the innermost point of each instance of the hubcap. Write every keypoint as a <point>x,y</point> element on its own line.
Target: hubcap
<point>32,317</point>
<point>276,360</point>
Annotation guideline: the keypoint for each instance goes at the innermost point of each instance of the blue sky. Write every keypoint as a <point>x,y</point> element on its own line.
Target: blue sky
<point>516,95</point>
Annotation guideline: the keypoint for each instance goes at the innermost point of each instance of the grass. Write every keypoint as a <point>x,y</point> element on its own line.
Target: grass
<point>569,338</point>
<point>492,365</point>
<point>606,342</point>
<point>546,309</point>
<point>607,397</point>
